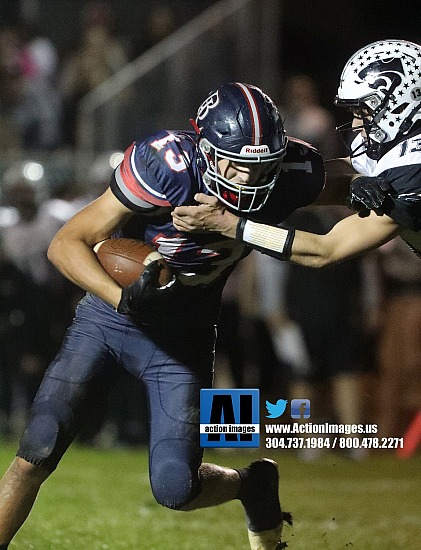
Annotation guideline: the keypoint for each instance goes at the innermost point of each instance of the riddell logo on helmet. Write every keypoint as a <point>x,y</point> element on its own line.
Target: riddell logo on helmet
<point>255,150</point>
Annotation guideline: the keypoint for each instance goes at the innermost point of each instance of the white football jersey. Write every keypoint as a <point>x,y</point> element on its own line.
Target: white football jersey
<point>401,168</point>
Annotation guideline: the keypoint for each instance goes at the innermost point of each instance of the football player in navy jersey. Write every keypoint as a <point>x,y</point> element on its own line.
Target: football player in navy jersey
<point>165,337</point>
<point>381,86</point>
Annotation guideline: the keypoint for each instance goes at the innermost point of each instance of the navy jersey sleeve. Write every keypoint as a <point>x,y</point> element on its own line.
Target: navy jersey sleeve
<point>404,204</point>
<point>156,172</point>
<point>301,180</point>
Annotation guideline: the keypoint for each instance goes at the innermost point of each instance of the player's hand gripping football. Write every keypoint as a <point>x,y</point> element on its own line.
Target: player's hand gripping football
<point>368,193</point>
<point>145,292</point>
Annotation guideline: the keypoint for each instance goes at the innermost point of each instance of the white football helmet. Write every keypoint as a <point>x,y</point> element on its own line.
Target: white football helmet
<point>381,85</point>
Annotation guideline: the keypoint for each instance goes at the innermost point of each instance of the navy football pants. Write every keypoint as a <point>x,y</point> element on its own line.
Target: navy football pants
<point>173,361</point>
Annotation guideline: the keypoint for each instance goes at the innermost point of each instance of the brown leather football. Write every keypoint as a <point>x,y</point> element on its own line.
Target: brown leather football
<point>125,260</point>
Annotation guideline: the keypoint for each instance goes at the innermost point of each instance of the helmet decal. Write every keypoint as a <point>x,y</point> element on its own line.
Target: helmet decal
<point>210,103</point>
<point>382,73</point>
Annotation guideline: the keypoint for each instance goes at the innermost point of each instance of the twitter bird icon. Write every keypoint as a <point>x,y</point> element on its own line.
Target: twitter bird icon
<point>276,410</point>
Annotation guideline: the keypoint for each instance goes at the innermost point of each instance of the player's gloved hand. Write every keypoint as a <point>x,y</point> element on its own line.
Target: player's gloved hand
<point>368,193</point>
<point>146,291</point>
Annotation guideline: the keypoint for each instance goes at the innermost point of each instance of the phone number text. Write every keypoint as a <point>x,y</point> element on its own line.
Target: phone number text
<point>334,443</point>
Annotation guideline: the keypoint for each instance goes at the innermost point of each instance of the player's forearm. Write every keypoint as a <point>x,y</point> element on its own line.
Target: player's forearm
<point>71,250</point>
<point>285,244</point>
<point>77,262</point>
<point>312,250</point>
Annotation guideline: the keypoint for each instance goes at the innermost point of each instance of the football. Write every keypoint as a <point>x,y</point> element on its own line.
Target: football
<point>125,260</point>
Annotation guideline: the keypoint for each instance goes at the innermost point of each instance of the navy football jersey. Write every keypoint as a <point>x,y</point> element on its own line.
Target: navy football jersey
<point>161,172</point>
<point>401,168</point>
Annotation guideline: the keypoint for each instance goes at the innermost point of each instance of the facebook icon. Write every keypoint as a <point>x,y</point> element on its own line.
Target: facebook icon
<point>300,408</point>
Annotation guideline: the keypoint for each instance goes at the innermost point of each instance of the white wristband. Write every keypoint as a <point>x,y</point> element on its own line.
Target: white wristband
<point>265,236</point>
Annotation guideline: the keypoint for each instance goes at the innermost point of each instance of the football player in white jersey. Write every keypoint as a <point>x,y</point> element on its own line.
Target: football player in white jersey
<point>381,85</point>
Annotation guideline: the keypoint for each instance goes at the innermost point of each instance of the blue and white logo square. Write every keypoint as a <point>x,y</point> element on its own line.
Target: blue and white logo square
<point>300,408</point>
<point>229,418</point>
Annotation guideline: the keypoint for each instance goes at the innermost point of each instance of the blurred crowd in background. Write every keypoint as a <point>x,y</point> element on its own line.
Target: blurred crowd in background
<point>41,85</point>
<point>347,338</point>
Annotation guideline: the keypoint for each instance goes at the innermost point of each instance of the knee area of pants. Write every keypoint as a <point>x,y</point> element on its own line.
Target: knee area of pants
<point>173,484</point>
<point>41,435</point>
<point>39,438</point>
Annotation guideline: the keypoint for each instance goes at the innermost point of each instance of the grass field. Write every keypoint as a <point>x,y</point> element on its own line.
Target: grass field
<point>99,500</point>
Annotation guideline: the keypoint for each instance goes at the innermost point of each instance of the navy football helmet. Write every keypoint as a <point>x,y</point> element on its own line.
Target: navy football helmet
<point>241,124</point>
<point>381,85</point>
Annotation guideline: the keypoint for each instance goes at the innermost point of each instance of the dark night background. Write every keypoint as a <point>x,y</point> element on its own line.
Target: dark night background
<point>318,37</point>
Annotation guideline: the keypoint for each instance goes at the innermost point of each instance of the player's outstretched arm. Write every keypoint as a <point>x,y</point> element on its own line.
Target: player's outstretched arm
<point>343,186</point>
<point>348,238</point>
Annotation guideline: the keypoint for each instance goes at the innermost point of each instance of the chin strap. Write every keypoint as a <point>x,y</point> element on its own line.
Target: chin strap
<point>195,126</point>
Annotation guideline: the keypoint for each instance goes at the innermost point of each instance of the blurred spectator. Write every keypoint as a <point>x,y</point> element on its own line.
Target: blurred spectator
<point>306,119</point>
<point>317,326</point>
<point>160,24</point>
<point>399,349</point>
<point>30,106</point>
<point>23,339</point>
<point>11,52</point>
<point>12,293</point>
<point>26,241</point>
<point>27,226</point>
<point>40,303</point>
<point>43,59</point>
<point>245,355</point>
<point>9,59</point>
<point>100,172</point>
<point>97,57</point>
<point>230,353</point>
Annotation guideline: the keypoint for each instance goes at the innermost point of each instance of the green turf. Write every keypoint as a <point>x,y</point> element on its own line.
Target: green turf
<point>100,500</point>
